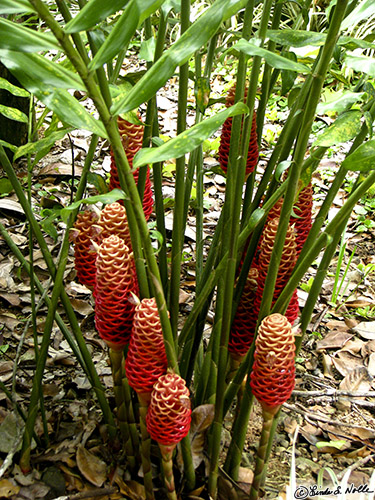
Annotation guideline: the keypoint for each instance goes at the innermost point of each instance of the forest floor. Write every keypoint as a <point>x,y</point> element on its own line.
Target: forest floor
<point>329,418</point>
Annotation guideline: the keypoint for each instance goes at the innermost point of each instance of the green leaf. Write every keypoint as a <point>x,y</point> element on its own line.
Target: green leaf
<point>12,89</point>
<point>5,186</point>
<point>17,37</point>
<point>353,43</point>
<point>15,7</point>
<point>363,64</point>
<point>70,111</point>
<point>188,140</point>
<point>111,197</point>
<point>362,159</point>
<point>251,48</point>
<point>92,13</point>
<point>362,11</point>
<point>13,114</point>
<point>40,145</point>
<point>6,144</point>
<point>332,444</point>
<point>147,49</point>
<point>134,14</point>
<point>98,182</point>
<point>169,5</point>
<point>197,35</point>
<point>36,72</point>
<point>343,129</point>
<point>339,101</point>
<point>297,38</point>
<point>202,93</point>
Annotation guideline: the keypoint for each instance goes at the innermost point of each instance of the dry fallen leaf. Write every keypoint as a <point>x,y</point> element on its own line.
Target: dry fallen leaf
<point>366,329</point>
<point>91,467</point>
<point>201,419</point>
<point>8,489</point>
<point>371,364</point>
<point>334,340</point>
<point>345,362</point>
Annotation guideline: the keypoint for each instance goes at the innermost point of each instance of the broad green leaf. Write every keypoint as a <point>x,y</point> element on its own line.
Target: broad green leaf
<point>276,61</point>
<point>343,129</point>
<point>363,64</point>
<point>17,37</point>
<point>297,38</point>
<point>135,13</point>
<point>147,49</point>
<point>70,111</point>
<point>362,159</point>
<point>36,72</point>
<point>5,186</point>
<point>15,7</point>
<point>13,114</point>
<point>197,35</point>
<point>353,43</point>
<point>106,198</point>
<point>41,144</point>
<point>12,89</point>
<point>188,140</point>
<point>363,10</point>
<point>92,13</point>
<point>169,5</point>
<point>6,144</point>
<point>340,101</point>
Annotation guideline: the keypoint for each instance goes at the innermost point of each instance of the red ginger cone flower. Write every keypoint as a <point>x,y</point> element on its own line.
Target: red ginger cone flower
<point>113,220</point>
<point>132,137</point>
<point>273,373</point>
<point>146,360</point>
<point>115,280</point>
<point>287,264</point>
<point>84,255</point>
<point>169,414</point>
<point>303,216</point>
<point>242,333</point>
<point>253,152</point>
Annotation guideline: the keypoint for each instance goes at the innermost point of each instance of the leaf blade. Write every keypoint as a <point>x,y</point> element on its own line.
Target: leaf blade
<point>93,13</point>
<point>193,38</point>
<point>343,129</point>
<point>362,159</point>
<point>135,12</point>
<point>188,140</point>
<point>21,39</point>
<point>275,60</point>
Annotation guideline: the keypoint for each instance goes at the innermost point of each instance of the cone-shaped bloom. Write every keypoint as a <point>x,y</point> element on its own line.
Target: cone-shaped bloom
<point>132,137</point>
<point>113,220</point>
<point>84,254</point>
<point>115,280</point>
<point>242,332</point>
<point>273,373</point>
<point>146,360</point>
<point>169,414</point>
<point>303,216</point>
<point>253,152</point>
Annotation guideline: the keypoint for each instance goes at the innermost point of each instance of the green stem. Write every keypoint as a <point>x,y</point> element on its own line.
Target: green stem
<point>261,462</point>
<point>117,362</point>
<point>178,212</point>
<point>167,464</point>
<point>239,431</point>
<point>145,446</point>
<point>232,207</point>
<point>132,423</point>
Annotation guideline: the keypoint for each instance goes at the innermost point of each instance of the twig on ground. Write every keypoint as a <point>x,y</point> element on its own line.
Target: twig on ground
<point>333,392</point>
<point>98,492</point>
